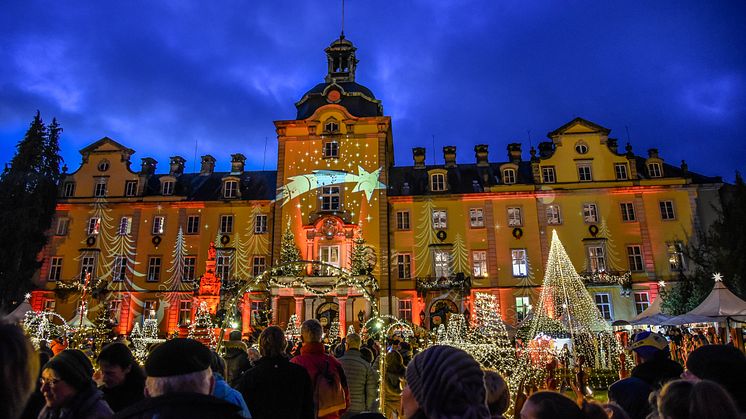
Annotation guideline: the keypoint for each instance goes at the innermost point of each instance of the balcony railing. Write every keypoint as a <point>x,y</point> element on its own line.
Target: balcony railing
<point>624,279</point>
<point>458,282</point>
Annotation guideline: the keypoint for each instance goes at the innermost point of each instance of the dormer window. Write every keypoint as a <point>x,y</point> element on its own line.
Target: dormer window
<point>475,186</point>
<point>230,189</point>
<point>437,182</point>
<point>509,176</point>
<point>655,170</point>
<point>331,127</point>
<point>331,149</point>
<point>167,187</point>
<point>405,188</point>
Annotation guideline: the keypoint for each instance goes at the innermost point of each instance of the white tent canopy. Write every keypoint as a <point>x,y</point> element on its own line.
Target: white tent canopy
<point>651,315</point>
<point>719,305</point>
<point>17,315</point>
<point>75,322</point>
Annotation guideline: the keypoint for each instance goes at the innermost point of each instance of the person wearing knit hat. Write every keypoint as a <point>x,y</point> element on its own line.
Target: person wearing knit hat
<point>179,385</point>
<point>654,364</point>
<point>69,390</point>
<point>722,364</point>
<point>444,382</point>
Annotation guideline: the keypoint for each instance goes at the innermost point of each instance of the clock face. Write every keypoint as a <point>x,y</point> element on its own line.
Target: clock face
<point>333,96</point>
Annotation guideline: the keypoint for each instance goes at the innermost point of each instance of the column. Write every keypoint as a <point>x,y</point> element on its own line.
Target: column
<point>299,307</point>
<point>342,300</point>
<point>246,314</point>
<point>275,300</point>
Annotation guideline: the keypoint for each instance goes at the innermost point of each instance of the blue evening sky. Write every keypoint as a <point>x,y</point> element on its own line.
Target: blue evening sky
<point>160,75</point>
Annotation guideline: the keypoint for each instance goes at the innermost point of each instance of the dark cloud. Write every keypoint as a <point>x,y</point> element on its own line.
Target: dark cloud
<point>161,77</point>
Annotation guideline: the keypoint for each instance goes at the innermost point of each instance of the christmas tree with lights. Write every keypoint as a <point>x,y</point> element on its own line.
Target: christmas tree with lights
<point>491,328</point>
<point>289,253</point>
<point>203,329</point>
<point>292,331</point>
<point>334,330</point>
<point>359,263</point>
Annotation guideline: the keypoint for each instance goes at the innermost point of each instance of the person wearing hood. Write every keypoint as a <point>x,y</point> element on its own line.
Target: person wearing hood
<point>236,358</point>
<point>222,390</point>
<point>69,390</point>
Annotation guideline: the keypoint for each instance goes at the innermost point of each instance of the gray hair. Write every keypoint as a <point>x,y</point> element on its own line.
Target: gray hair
<point>311,330</point>
<point>194,382</point>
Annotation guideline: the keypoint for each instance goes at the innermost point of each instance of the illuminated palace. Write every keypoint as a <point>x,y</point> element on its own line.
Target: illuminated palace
<point>434,235</point>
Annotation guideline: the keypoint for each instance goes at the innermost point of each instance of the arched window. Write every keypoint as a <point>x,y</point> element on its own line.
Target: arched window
<point>437,182</point>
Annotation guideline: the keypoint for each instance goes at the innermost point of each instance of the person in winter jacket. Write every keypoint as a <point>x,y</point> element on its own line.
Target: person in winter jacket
<point>655,366</point>
<point>236,358</point>
<point>362,381</point>
<point>315,360</point>
<point>19,369</point>
<point>69,390</point>
<point>123,378</point>
<point>222,390</point>
<point>179,385</point>
<point>392,385</point>
<point>275,387</point>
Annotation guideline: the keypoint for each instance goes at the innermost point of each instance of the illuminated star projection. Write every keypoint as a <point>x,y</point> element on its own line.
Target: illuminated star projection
<point>365,182</point>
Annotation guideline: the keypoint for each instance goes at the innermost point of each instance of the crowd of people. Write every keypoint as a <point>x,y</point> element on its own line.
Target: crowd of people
<point>183,378</point>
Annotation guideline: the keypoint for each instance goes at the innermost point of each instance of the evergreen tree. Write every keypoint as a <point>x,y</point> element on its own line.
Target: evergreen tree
<point>359,264</point>
<point>289,252</point>
<point>28,196</point>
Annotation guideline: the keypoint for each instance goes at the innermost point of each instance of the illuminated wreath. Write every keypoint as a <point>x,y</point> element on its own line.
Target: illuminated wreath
<point>593,230</point>
<point>90,241</point>
<point>224,239</point>
<point>441,235</point>
<point>156,240</point>
<point>518,233</point>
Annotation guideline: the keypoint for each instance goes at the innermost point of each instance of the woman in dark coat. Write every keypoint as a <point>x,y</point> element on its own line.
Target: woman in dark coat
<point>124,380</point>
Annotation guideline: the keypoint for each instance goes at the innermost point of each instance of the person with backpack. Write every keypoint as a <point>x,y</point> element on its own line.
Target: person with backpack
<point>330,392</point>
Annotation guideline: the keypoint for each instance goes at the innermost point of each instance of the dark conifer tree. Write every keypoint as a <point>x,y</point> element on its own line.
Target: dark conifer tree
<point>28,195</point>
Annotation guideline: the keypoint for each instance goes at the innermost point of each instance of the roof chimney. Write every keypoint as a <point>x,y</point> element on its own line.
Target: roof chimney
<point>514,152</point>
<point>653,153</point>
<point>208,165</point>
<point>176,167</point>
<point>147,166</point>
<point>449,156</point>
<point>480,152</point>
<point>237,163</point>
<point>418,154</point>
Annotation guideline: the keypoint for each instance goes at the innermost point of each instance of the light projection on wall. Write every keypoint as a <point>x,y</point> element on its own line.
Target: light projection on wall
<point>366,182</point>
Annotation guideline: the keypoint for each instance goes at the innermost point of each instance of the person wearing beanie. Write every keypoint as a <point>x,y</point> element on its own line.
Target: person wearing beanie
<point>722,364</point>
<point>123,378</point>
<point>236,357</point>
<point>654,364</point>
<point>444,382</point>
<point>631,394</point>
<point>179,385</point>
<point>69,390</point>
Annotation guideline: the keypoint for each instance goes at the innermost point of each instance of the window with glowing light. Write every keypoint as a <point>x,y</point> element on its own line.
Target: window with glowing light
<point>154,269</point>
<point>515,219</point>
<point>596,258</point>
<point>522,309</point>
<point>654,170</point>
<point>330,198</point>
<point>634,256</point>
<point>93,226</point>
<point>230,189</point>
<point>192,224</point>
<point>224,265</point>
<point>676,260</point>
<point>438,182</point>
<point>148,307</point>
<point>642,302</point>
<point>519,262</point>
<point>667,210</point>
<point>159,224</point>
<point>442,263</point>
<point>476,217</point>
<point>68,189</point>
<point>405,310</point>
<point>226,224</point>
<point>590,213</point>
<point>628,211</point>
<point>554,217</point>
<point>99,189</point>
<point>49,305</point>
<point>190,262</point>
<point>62,225</point>
<point>548,174</point>
<point>402,220</point>
<point>115,310</point>
<point>119,269</point>
<point>620,171</point>
<point>257,308</point>
<point>584,172</point>
<point>329,255</point>
<point>185,312</point>
<point>55,268</point>
<point>125,226</point>
<point>479,263</point>
<point>509,176</point>
<point>130,188</point>
<point>440,219</point>
<point>167,187</point>
<point>404,265</point>
<point>87,266</point>
<point>603,303</point>
<point>331,149</point>
<point>258,265</point>
<point>260,224</point>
